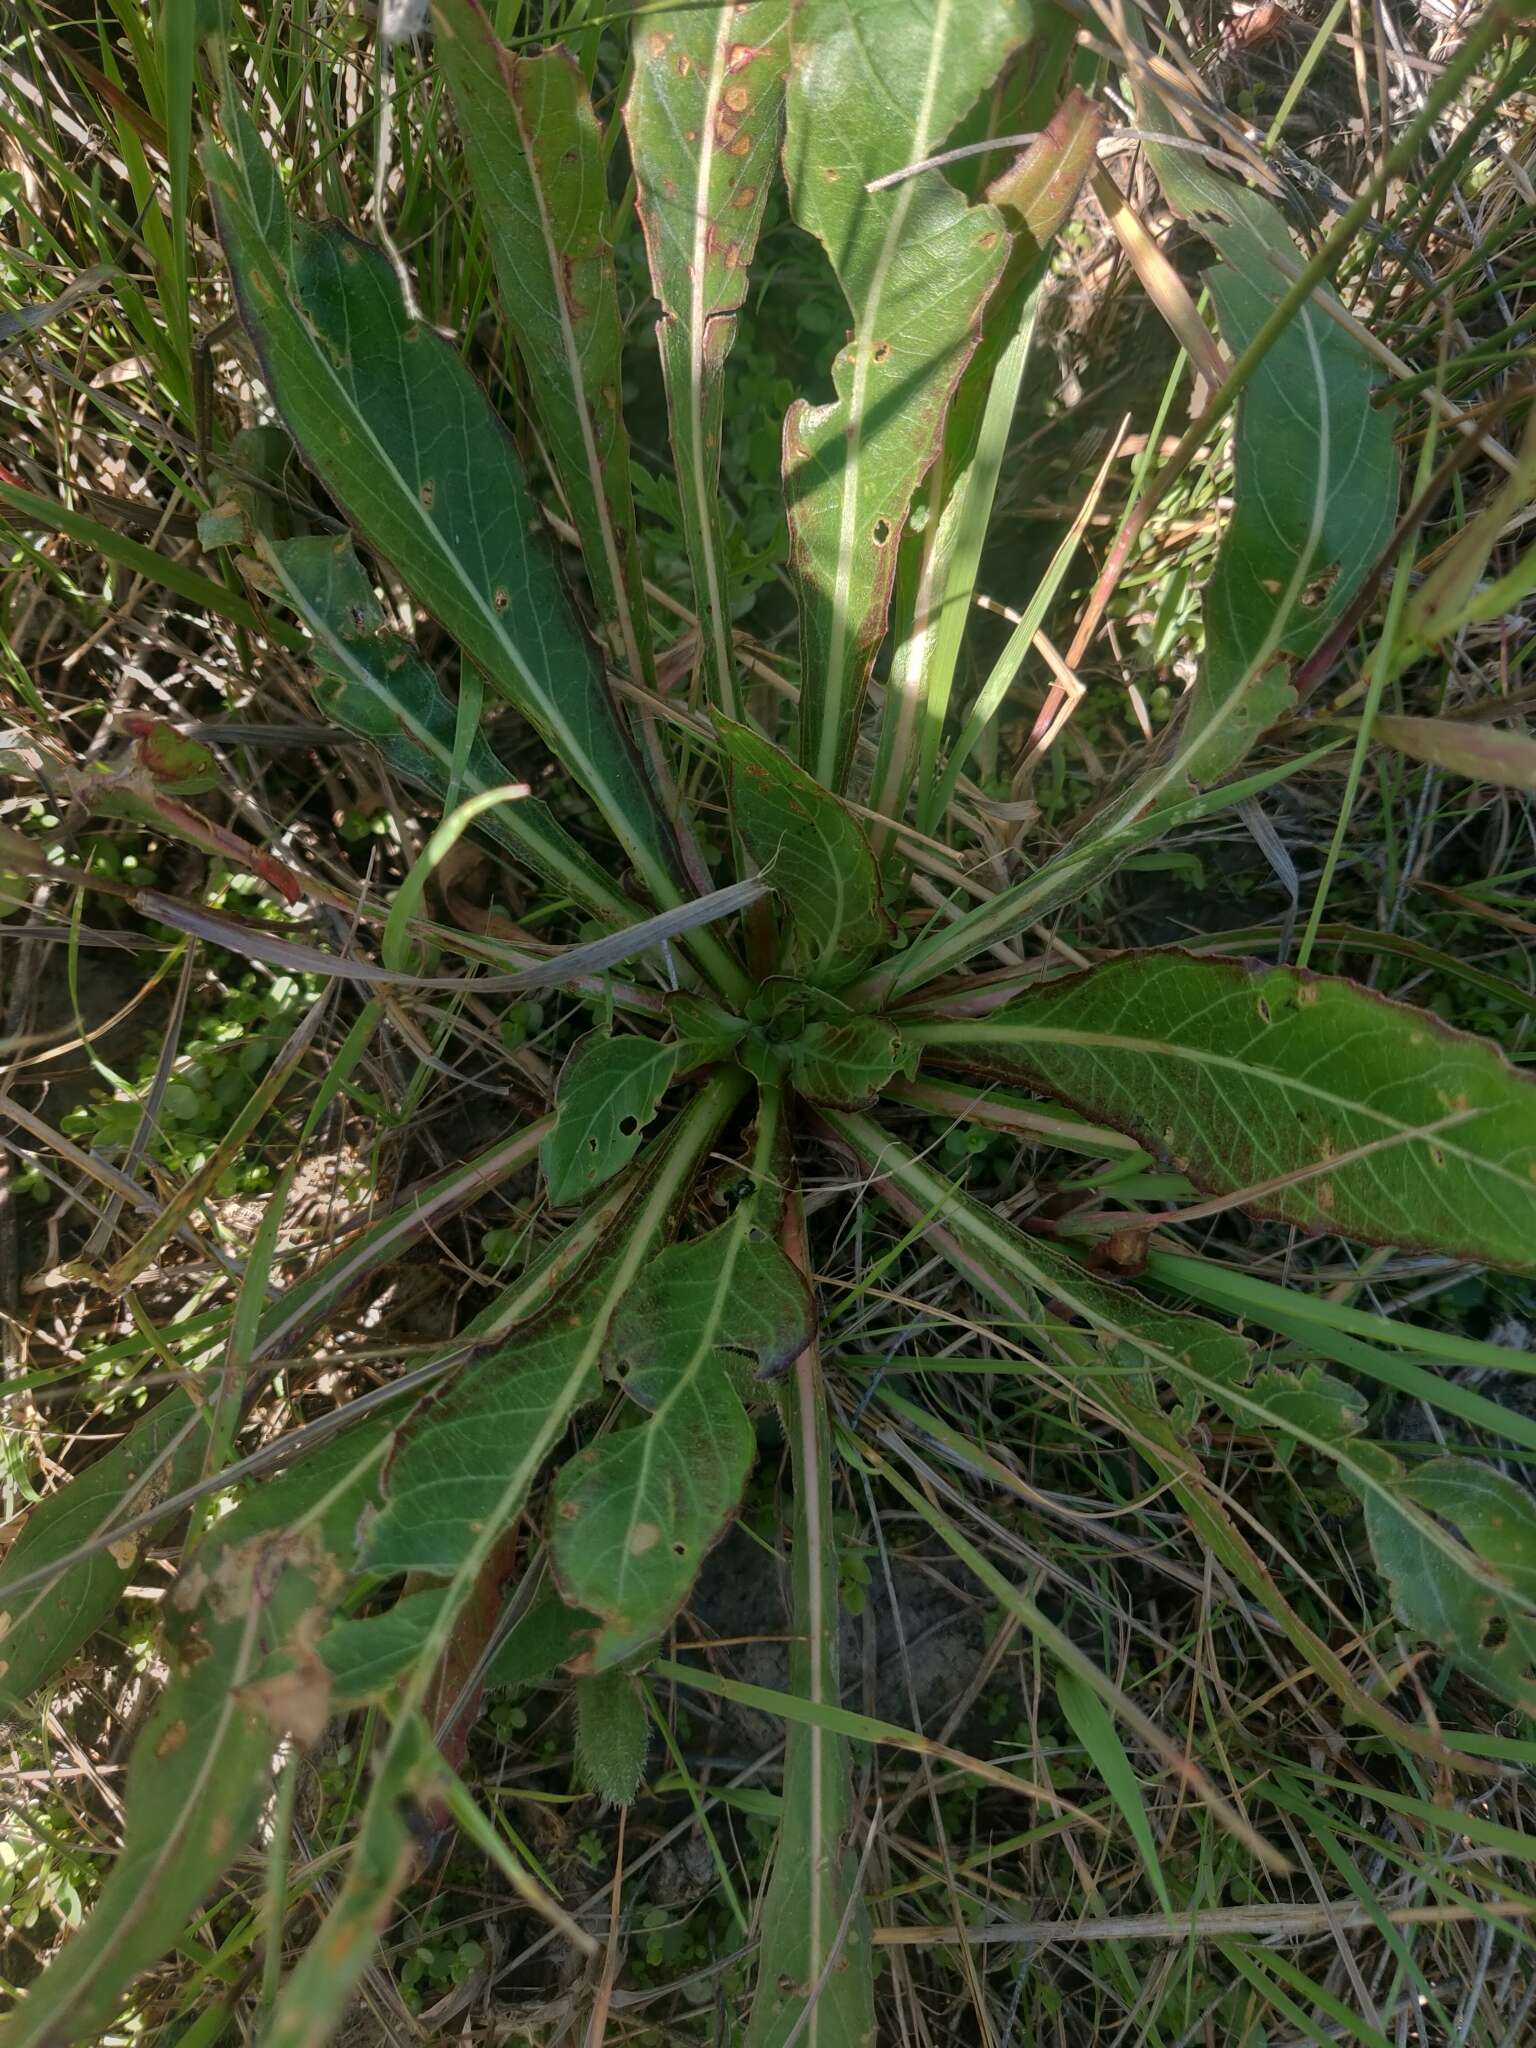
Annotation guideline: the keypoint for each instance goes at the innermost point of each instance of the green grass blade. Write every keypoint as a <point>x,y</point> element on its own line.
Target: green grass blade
<point>536,162</point>
<point>876,85</point>
<point>1340,1110</point>
<point>704,113</point>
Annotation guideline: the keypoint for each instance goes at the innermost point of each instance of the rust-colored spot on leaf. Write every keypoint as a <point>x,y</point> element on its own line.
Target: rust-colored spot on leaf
<point>171,1740</point>
<point>737,98</point>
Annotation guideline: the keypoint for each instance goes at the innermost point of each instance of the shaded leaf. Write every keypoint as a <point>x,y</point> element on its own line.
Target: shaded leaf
<point>1488,1631</point>
<point>612,1736</point>
<point>376,685</point>
<point>846,1063</point>
<point>536,160</point>
<point>703,114</point>
<point>813,853</point>
<point>406,441</point>
<point>610,1089</point>
<point>633,1514</point>
<point>876,85</point>
<point>1394,1128</point>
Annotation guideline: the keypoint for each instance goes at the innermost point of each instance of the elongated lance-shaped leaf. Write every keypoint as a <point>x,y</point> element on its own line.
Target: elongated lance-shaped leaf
<point>1315,492</point>
<point>536,162</point>
<point>241,1622</point>
<point>1335,1108</point>
<point>375,684</point>
<point>408,444</point>
<point>466,1462</point>
<point>876,85</point>
<point>812,851</point>
<point>1150,1348</point>
<point>108,1511</point>
<point>704,113</point>
<point>939,564</point>
<point>635,1512</point>
<point>815,1979</point>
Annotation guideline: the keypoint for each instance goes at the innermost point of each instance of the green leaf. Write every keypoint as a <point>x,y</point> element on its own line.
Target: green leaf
<point>610,1089</point>
<point>612,1736</point>
<point>376,685</point>
<point>406,441</point>
<point>703,115</point>
<point>1490,1633</point>
<point>1315,493</point>
<point>365,1657</point>
<point>845,1063</point>
<point>537,161</point>
<point>876,85</point>
<point>1325,1105</point>
<point>812,851</point>
<point>162,1452</point>
<point>466,1462</point>
<point>633,1514</point>
<point>241,1623</point>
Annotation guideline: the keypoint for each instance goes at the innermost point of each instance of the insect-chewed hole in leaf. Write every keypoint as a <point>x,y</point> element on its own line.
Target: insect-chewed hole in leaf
<point>501,599</point>
<point>679,1550</point>
<point>1320,589</point>
<point>881,530</point>
<point>1437,1155</point>
<point>428,493</point>
<point>628,1125</point>
<point>1495,1632</point>
<point>881,352</point>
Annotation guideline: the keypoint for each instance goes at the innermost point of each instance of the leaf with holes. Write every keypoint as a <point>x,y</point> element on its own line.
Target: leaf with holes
<point>703,115</point>
<point>406,441</point>
<point>610,1089</point>
<point>537,162</point>
<point>874,86</point>
<point>634,1513</point>
<point>1487,1626</point>
<point>846,1062</point>
<point>812,852</point>
<point>1309,1097</point>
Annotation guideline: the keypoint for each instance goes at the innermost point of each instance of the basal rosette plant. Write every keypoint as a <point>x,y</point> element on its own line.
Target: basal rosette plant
<point>799,957</point>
